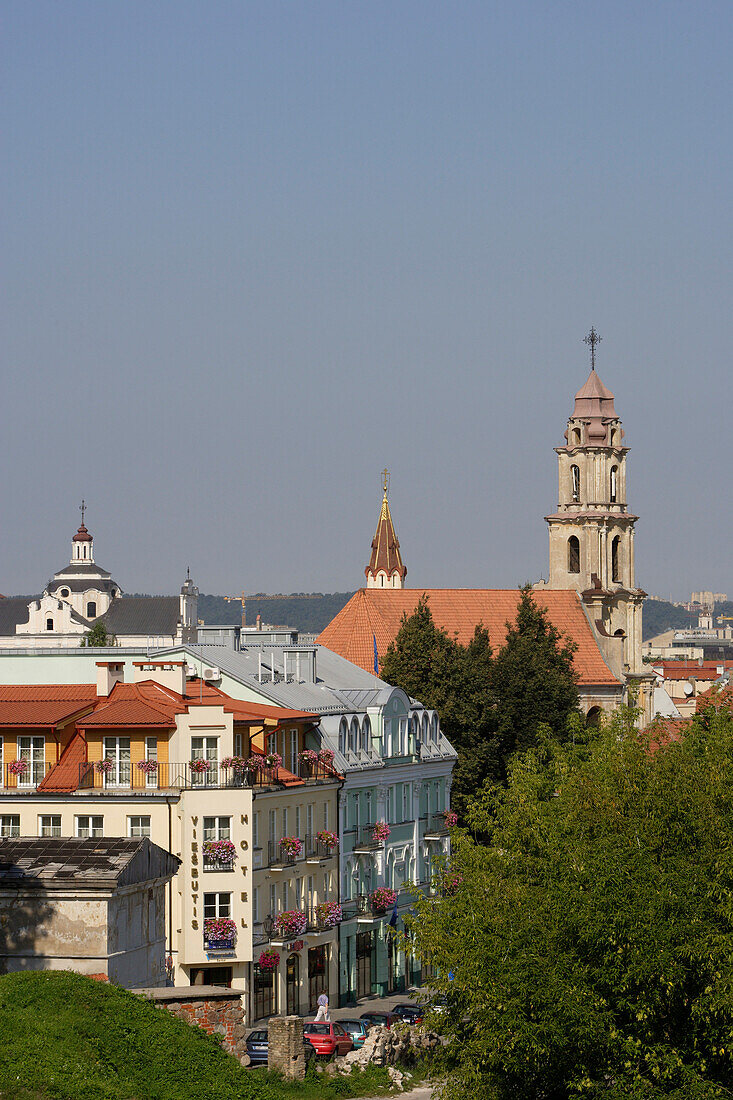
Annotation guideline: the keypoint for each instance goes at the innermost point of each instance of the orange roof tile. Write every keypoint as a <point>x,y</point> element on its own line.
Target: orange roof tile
<point>43,704</point>
<point>64,776</point>
<point>376,613</point>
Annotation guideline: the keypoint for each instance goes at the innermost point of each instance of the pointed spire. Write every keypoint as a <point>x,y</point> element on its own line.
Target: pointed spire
<point>385,569</point>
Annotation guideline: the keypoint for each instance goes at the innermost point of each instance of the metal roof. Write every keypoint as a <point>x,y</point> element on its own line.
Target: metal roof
<point>61,861</point>
<point>143,615</point>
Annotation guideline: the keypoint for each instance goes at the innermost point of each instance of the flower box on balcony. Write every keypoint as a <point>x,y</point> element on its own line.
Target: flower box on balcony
<point>219,852</point>
<point>291,924</point>
<point>382,899</point>
<point>291,846</point>
<point>199,767</point>
<point>220,933</point>
<point>18,767</point>
<point>328,914</point>
<point>327,838</point>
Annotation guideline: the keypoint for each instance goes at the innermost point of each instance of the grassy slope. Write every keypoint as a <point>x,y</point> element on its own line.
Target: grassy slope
<point>64,1037</point>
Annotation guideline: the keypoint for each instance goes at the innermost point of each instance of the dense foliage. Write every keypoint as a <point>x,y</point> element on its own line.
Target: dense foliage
<point>489,705</point>
<point>587,950</point>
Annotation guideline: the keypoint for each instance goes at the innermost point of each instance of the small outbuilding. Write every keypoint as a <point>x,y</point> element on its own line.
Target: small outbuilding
<point>96,906</point>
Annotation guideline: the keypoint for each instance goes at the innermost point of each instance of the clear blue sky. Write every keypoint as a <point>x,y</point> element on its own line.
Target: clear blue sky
<point>253,252</point>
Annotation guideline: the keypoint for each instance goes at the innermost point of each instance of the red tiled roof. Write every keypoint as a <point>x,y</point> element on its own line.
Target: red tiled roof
<point>64,776</point>
<point>377,613</point>
<point>144,704</point>
<point>43,704</point>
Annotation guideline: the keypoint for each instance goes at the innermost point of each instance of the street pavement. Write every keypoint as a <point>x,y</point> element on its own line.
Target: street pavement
<point>366,1004</point>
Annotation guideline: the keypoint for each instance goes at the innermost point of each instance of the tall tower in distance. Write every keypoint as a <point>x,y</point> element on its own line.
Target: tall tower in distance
<point>592,531</point>
<point>385,569</point>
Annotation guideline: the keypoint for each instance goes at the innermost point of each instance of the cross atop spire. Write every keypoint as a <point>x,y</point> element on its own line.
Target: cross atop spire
<point>385,481</point>
<point>82,509</point>
<point>592,339</point>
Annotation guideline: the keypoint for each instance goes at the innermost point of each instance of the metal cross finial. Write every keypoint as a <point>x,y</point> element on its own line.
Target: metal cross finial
<point>82,509</point>
<point>385,480</point>
<point>592,339</point>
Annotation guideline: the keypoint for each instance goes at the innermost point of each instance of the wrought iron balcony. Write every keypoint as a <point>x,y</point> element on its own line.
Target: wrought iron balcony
<point>435,827</point>
<point>23,775</point>
<point>162,775</point>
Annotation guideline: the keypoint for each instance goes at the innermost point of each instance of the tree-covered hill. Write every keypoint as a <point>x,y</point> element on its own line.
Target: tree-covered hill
<point>310,615</point>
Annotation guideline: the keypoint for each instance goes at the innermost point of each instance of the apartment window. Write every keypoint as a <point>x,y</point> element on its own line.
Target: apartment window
<point>356,811</point>
<point>405,802</point>
<point>217,905</point>
<point>205,748</point>
<point>325,815</point>
<point>309,819</point>
<point>217,828</point>
<point>87,826</point>
<point>311,890</point>
<point>294,751</point>
<point>238,744</point>
<point>255,830</point>
<point>32,750</point>
<point>117,750</point>
<point>10,825</point>
<point>298,893</point>
<point>256,905</point>
<point>369,815</point>
<point>271,743</point>
<point>285,896</point>
<point>326,885</point>
<point>49,825</point>
<point>273,826</point>
<point>298,822</point>
<point>151,753</point>
<point>138,825</point>
<point>273,899</point>
<point>286,816</point>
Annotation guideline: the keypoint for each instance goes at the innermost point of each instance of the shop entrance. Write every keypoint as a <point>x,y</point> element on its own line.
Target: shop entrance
<point>317,975</point>
<point>263,993</point>
<point>292,986</point>
<point>363,964</point>
<point>211,975</point>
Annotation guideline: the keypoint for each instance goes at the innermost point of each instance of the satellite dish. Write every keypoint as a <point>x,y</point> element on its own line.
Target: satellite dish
<point>688,689</point>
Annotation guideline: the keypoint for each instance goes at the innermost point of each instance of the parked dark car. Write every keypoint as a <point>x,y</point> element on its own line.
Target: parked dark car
<point>410,1013</point>
<point>377,1019</point>
<point>328,1038</point>
<point>357,1029</point>
<point>258,1047</point>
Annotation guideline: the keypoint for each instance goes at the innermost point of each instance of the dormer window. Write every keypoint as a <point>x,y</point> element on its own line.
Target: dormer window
<point>91,610</point>
<point>575,482</point>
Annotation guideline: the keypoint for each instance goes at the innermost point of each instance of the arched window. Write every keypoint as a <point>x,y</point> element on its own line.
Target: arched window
<point>575,481</point>
<point>343,733</point>
<point>434,728</point>
<point>91,610</point>
<point>85,549</point>
<point>573,555</point>
<point>576,437</point>
<point>354,735</point>
<point>614,484</point>
<point>366,734</point>
<point>615,565</point>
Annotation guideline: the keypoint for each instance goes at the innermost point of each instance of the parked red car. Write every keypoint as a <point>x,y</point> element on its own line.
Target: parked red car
<point>328,1039</point>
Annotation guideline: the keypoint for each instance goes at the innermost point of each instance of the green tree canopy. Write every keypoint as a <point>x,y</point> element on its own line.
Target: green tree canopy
<point>98,636</point>
<point>587,951</point>
<point>489,705</point>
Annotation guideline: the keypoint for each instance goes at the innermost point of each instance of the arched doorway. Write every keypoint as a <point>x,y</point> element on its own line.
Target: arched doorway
<point>292,986</point>
<point>593,718</point>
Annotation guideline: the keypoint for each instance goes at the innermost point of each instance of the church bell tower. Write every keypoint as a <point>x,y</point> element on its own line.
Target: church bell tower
<point>592,531</point>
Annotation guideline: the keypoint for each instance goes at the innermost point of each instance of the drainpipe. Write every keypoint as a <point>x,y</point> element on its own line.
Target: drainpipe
<point>169,922</point>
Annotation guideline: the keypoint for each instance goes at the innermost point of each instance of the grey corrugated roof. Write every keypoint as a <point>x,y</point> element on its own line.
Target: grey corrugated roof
<point>79,568</point>
<point>79,585</point>
<point>144,615</point>
<point>60,860</point>
<point>14,610</point>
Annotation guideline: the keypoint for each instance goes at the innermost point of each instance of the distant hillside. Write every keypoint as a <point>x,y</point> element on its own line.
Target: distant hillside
<point>310,615</point>
<point>659,616</point>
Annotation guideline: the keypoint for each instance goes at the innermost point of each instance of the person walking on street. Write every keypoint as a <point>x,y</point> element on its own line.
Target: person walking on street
<point>323,1013</point>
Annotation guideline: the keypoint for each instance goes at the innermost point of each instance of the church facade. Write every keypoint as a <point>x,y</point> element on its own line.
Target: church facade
<point>591,595</point>
<point>83,594</point>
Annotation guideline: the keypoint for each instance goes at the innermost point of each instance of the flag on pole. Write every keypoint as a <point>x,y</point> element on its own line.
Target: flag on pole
<point>393,918</point>
<point>376,656</point>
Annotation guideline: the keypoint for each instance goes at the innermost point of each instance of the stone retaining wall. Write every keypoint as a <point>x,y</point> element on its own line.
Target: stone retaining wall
<point>214,1009</point>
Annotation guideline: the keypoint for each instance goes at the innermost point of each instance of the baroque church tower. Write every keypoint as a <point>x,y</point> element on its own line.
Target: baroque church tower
<point>385,569</point>
<point>592,531</point>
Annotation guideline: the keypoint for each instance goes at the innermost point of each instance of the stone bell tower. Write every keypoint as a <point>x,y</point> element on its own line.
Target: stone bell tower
<point>592,531</point>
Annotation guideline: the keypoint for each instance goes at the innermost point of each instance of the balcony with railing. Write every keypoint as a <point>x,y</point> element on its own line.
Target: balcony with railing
<point>435,827</point>
<point>23,775</point>
<point>371,838</point>
<point>282,928</point>
<point>148,775</point>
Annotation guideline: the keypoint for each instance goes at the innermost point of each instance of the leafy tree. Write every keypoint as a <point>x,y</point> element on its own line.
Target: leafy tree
<point>488,705</point>
<point>587,951</point>
<point>98,636</point>
<point>533,678</point>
